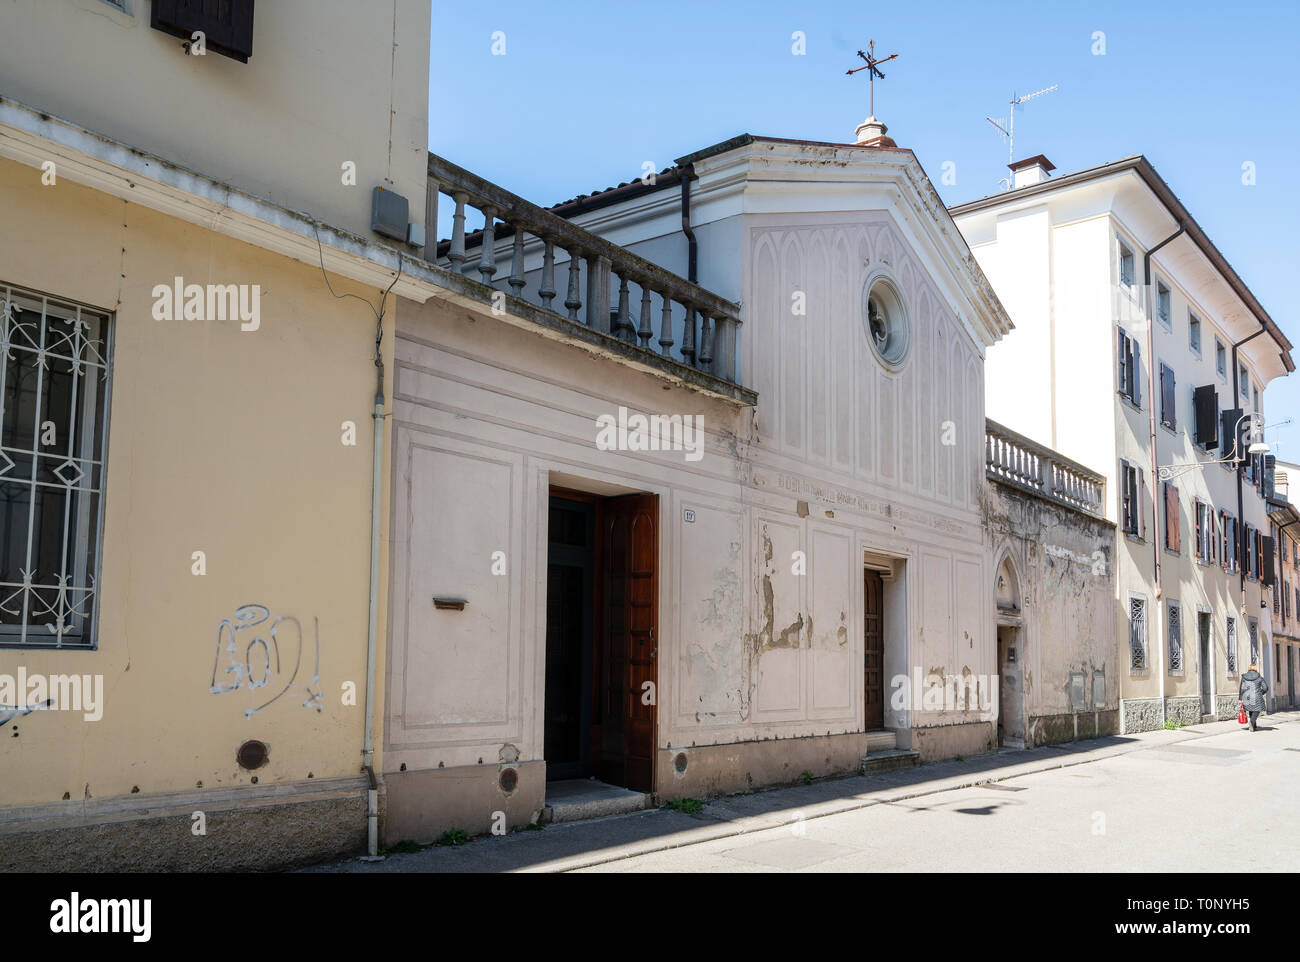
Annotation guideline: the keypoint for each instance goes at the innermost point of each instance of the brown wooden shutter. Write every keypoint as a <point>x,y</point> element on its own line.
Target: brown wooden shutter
<point>227,25</point>
<point>1200,530</point>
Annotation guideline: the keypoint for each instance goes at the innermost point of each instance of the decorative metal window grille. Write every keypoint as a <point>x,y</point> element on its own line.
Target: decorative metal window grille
<point>53,389</point>
<point>1232,646</point>
<point>1175,636</point>
<point>1137,632</point>
<point>1254,642</point>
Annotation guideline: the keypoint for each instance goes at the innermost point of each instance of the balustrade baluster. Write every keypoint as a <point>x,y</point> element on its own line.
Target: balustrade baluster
<point>644,333</point>
<point>457,254</point>
<point>574,301</point>
<point>706,342</point>
<point>517,262</point>
<point>487,259</point>
<point>688,336</point>
<point>666,325</point>
<point>547,291</point>
<point>623,327</point>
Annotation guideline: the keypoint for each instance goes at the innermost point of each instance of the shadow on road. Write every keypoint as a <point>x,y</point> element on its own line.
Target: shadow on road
<point>666,828</point>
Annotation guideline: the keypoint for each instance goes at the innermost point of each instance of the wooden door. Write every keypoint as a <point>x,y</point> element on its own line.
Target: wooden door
<point>629,689</point>
<point>873,648</point>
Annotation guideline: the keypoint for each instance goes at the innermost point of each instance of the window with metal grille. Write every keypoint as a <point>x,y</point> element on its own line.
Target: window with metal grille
<point>1232,645</point>
<point>1254,641</point>
<point>1175,637</point>
<point>53,390</point>
<point>1137,632</point>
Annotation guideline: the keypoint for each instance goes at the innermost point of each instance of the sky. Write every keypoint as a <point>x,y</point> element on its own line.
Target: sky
<point>580,94</point>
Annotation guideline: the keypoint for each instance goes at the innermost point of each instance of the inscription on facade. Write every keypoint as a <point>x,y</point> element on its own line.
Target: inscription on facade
<point>845,497</point>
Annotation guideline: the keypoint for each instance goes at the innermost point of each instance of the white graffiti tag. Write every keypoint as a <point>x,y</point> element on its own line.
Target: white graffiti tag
<point>271,658</point>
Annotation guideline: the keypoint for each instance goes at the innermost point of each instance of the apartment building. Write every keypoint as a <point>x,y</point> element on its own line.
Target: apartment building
<point>1148,356</point>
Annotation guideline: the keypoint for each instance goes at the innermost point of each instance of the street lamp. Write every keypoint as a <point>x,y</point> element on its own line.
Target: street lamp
<point>1257,446</point>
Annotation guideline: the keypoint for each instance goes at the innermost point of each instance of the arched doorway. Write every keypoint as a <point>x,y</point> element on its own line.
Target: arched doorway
<point>1009,625</point>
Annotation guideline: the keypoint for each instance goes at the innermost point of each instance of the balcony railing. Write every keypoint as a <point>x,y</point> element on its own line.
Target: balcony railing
<point>581,284</point>
<point>1015,460</point>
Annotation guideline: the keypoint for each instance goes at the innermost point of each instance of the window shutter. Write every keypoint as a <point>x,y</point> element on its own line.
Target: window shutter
<point>1267,568</point>
<point>1228,435</point>
<point>1168,411</point>
<point>1206,403</point>
<point>1200,530</point>
<point>1173,536</point>
<point>1122,365</point>
<point>227,25</point>
<point>1141,505</point>
<point>1136,362</point>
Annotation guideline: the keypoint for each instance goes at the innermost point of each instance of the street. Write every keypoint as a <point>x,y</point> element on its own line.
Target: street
<point>1209,798</point>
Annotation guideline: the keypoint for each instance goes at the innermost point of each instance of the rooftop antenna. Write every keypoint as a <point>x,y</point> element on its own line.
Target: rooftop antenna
<point>1007,127</point>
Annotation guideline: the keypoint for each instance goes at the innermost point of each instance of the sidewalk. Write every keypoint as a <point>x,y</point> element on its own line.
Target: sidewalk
<point>573,845</point>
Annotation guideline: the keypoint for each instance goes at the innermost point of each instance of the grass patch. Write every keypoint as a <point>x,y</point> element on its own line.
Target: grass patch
<point>687,806</point>
<point>1172,725</point>
<point>807,778</point>
<point>453,836</point>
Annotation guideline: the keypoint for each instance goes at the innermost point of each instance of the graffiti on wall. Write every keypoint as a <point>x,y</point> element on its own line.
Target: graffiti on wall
<point>263,654</point>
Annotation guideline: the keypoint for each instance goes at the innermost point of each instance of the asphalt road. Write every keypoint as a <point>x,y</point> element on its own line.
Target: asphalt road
<point>1208,798</point>
<point>1220,803</point>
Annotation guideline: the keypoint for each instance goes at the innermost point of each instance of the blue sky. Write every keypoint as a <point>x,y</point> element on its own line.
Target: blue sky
<point>1199,88</point>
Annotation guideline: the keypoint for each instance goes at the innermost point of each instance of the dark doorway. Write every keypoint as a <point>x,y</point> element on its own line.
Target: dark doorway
<point>873,649</point>
<point>602,605</point>
<point>1207,676</point>
<point>570,611</point>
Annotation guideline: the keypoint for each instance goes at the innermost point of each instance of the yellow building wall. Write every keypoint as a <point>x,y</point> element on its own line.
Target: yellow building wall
<point>223,441</point>
<point>329,81</point>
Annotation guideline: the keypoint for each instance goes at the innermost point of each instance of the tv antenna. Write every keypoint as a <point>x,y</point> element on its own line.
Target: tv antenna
<point>1007,126</point>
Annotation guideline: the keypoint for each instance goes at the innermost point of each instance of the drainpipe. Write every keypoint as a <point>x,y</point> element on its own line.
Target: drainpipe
<point>692,271</point>
<point>1155,463</point>
<point>372,629</point>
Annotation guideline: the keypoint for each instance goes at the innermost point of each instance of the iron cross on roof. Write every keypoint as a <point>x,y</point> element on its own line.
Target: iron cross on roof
<point>871,65</point>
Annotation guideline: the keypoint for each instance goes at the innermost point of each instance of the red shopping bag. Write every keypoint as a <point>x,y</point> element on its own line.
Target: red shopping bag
<point>1241,713</point>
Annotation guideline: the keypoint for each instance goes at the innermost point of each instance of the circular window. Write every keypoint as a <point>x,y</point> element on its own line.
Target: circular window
<point>885,321</point>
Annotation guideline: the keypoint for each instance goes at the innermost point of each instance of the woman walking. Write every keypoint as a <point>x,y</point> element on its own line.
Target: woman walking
<point>1252,692</point>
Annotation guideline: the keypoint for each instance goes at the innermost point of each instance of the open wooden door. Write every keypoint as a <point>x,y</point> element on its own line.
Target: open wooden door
<point>630,642</point>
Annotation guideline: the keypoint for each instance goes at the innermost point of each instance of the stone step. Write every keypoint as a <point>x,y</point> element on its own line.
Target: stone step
<point>881,740</point>
<point>578,799</point>
<point>890,760</point>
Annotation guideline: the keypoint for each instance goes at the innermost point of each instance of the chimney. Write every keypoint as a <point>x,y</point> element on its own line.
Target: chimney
<point>871,133</point>
<point>1032,170</point>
